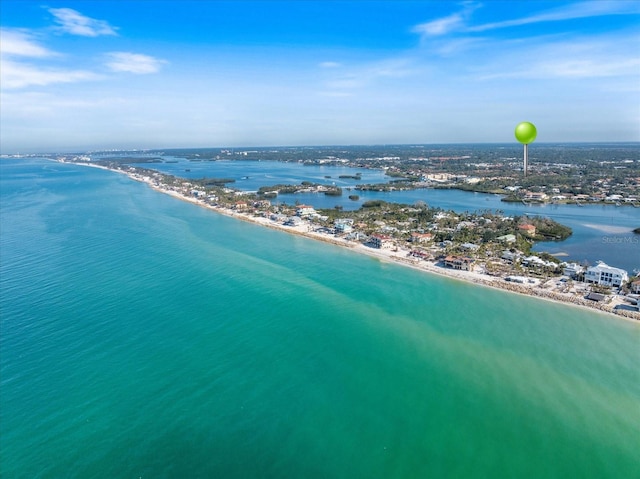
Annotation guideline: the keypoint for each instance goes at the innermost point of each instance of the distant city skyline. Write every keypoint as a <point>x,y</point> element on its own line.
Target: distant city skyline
<point>82,75</point>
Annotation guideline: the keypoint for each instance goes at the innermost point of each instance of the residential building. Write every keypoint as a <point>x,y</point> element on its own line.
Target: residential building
<point>535,196</point>
<point>421,237</point>
<point>341,227</point>
<point>458,262</point>
<point>572,270</point>
<point>509,256</point>
<point>304,210</point>
<point>605,275</point>
<point>293,221</point>
<point>381,241</point>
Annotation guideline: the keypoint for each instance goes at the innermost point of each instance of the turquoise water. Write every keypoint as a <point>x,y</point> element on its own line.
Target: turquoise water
<point>147,337</point>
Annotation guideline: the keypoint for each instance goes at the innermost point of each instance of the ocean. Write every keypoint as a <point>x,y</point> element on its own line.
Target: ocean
<point>143,336</point>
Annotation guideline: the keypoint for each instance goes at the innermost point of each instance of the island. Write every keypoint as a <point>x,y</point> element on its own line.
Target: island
<point>485,248</point>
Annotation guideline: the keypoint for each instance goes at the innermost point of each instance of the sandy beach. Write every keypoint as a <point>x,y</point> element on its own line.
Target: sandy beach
<point>401,257</point>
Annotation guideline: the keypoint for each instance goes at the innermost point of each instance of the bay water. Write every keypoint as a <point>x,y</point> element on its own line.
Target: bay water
<point>142,336</point>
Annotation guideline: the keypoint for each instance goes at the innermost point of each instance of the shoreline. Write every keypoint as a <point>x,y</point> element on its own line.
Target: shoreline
<point>429,267</point>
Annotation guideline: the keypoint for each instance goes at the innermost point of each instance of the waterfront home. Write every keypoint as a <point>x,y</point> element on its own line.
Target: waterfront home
<point>278,217</point>
<point>304,210</point>
<point>262,204</point>
<point>605,275</point>
<point>341,227</point>
<point>536,261</point>
<point>527,229</point>
<point>572,270</point>
<point>510,256</point>
<point>355,236</point>
<point>421,254</point>
<point>635,287</point>
<point>535,196</point>
<point>458,262</point>
<point>240,206</point>
<point>348,221</point>
<point>381,241</point>
<point>293,221</point>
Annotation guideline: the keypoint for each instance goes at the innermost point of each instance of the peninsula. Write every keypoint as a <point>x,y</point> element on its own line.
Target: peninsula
<point>483,248</point>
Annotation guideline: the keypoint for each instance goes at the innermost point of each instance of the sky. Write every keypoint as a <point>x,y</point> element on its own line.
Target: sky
<point>89,75</point>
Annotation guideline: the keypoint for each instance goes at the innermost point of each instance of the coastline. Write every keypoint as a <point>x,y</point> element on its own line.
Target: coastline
<point>399,257</point>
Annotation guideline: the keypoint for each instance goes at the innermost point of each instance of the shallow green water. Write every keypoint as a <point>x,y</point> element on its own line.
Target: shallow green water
<point>147,337</point>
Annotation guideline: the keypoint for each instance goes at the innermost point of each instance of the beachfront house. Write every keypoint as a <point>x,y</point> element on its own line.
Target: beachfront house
<point>262,204</point>
<point>572,270</point>
<point>341,228</point>
<point>635,287</point>
<point>304,210</point>
<point>381,241</point>
<point>605,275</point>
<point>343,225</point>
<point>510,256</point>
<point>293,221</point>
<point>462,263</point>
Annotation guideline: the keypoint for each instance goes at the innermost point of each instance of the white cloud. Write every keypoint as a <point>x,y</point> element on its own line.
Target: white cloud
<point>21,43</point>
<point>14,75</point>
<point>73,22</point>
<point>573,69</point>
<point>442,26</point>
<point>458,22</point>
<point>606,57</point>
<point>133,63</point>
<point>330,65</point>
<point>568,12</point>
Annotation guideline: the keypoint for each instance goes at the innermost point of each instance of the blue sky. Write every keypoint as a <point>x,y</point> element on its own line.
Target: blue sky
<point>160,74</point>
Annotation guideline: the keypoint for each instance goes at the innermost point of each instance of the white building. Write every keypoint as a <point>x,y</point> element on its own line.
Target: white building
<point>305,210</point>
<point>343,227</point>
<point>572,270</point>
<point>293,221</point>
<point>605,275</point>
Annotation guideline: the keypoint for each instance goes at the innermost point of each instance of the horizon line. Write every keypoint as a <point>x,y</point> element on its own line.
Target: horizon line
<point>319,146</point>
